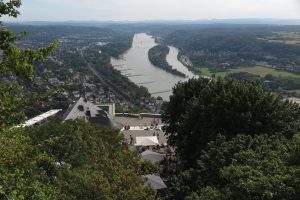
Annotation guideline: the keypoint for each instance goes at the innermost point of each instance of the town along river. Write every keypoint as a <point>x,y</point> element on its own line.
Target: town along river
<point>136,65</point>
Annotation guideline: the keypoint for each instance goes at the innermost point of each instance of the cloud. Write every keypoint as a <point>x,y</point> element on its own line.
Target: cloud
<point>162,9</point>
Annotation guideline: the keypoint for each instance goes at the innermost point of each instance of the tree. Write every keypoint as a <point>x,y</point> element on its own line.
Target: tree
<point>21,174</point>
<point>69,160</point>
<point>245,167</point>
<point>201,108</point>
<point>16,61</point>
<point>91,162</point>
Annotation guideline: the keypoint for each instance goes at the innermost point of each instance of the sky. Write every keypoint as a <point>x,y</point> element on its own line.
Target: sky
<point>138,10</point>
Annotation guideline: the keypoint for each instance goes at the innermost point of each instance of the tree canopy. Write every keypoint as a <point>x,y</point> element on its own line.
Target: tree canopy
<point>235,140</point>
<point>69,160</point>
<point>58,160</point>
<point>200,109</point>
<point>15,61</point>
<point>245,167</point>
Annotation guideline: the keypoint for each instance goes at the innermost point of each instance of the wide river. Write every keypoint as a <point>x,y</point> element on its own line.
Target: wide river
<point>136,65</point>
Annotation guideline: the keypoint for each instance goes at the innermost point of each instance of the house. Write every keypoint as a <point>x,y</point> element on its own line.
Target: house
<point>53,81</point>
<point>155,182</point>
<point>89,86</point>
<point>86,110</point>
<point>152,156</point>
<point>159,101</point>
<point>147,141</point>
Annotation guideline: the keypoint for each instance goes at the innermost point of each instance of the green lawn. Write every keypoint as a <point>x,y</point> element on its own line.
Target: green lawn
<point>205,71</point>
<point>296,91</point>
<point>291,38</point>
<point>292,42</point>
<point>261,71</point>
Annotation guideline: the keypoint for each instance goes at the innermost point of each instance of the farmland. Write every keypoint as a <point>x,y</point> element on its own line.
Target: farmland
<point>258,70</point>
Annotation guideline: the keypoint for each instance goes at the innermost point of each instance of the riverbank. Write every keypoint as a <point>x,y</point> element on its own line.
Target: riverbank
<point>136,66</point>
<point>185,61</point>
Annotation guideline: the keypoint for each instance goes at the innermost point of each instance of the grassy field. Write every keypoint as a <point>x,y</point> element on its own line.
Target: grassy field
<point>285,41</point>
<point>291,38</point>
<point>205,71</point>
<point>263,71</point>
<point>295,91</point>
<point>260,71</point>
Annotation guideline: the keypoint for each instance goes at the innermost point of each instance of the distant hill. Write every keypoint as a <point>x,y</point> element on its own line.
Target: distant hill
<point>211,21</point>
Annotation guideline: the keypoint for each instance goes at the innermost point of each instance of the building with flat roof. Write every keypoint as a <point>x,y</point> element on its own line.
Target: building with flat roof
<point>144,125</point>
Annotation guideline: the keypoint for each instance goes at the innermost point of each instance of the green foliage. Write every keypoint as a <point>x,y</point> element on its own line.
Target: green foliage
<point>243,76</point>
<point>119,46</point>
<point>21,175</point>
<point>245,167</point>
<point>94,163</point>
<point>10,104</point>
<point>200,109</point>
<point>69,160</point>
<point>206,193</point>
<point>226,47</point>
<point>9,8</point>
<point>277,83</point>
<point>147,167</point>
<point>225,134</point>
<point>16,61</point>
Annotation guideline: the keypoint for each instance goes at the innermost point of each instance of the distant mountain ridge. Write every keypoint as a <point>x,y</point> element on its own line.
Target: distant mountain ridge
<point>211,21</point>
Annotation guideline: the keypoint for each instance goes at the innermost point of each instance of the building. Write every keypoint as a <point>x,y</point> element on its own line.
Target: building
<point>86,110</point>
<point>155,182</point>
<point>42,118</point>
<point>53,81</point>
<point>141,125</point>
<point>109,108</point>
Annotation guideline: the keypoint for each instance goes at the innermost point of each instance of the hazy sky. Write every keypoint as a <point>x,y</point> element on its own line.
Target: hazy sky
<point>61,10</point>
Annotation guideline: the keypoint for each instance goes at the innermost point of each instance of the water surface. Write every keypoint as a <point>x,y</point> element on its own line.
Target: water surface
<point>136,65</point>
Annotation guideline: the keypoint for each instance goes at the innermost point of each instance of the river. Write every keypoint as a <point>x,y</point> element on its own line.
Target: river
<point>136,65</point>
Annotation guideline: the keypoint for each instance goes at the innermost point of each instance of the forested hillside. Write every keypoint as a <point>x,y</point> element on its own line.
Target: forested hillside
<point>228,47</point>
<point>240,51</point>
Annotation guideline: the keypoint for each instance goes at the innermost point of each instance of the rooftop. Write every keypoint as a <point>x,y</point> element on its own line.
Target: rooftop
<point>40,118</point>
<point>141,127</point>
<point>84,109</point>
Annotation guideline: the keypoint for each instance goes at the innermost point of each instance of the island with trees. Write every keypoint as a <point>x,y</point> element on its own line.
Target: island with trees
<point>157,56</point>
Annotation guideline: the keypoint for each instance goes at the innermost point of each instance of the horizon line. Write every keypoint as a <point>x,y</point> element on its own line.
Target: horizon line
<point>150,20</point>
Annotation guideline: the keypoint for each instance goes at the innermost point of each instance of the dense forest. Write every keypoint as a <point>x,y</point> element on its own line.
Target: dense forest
<point>70,160</point>
<point>235,140</point>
